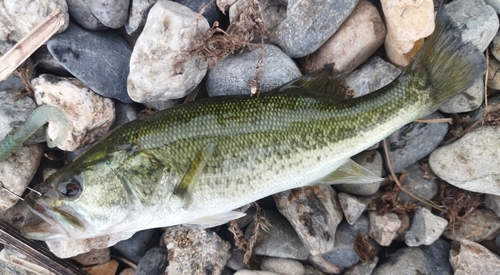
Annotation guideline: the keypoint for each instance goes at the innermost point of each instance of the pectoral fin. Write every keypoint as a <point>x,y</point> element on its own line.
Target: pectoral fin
<point>185,187</point>
<point>218,219</point>
<point>350,172</point>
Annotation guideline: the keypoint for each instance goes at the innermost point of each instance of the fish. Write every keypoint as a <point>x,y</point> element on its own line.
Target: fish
<point>196,163</point>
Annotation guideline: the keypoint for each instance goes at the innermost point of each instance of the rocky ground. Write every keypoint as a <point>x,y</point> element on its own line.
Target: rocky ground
<point>437,211</point>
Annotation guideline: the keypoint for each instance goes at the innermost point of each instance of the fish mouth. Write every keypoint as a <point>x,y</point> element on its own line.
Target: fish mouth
<point>55,224</point>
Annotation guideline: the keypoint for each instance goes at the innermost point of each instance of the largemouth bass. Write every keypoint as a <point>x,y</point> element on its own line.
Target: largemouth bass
<point>196,163</point>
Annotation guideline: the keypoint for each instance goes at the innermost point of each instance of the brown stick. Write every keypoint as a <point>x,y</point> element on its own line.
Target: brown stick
<point>32,41</point>
<point>37,253</point>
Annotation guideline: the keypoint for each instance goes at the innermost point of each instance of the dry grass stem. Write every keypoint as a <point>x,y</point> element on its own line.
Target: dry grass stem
<point>32,41</point>
<point>435,120</point>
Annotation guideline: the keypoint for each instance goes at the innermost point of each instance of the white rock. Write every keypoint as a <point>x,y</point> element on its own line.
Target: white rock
<point>425,228</point>
<point>473,258</point>
<point>466,101</point>
<point>472,162</point>
<point>492,202</point>
<point>352,207</point>
<point>70,248</point>
<point>477,21</point>
<point>384,228</point>
<point>346,48</point>
<point>19,17</point>
<point>408,21</point>
<point>170,30</point>
<point>282,266</point>
<point>91,115</point>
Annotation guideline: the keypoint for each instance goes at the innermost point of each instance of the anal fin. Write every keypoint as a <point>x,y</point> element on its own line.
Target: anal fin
<point>350,172</point>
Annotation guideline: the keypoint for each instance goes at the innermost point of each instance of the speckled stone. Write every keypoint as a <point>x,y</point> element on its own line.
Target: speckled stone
<point>384,228</point>
<point>473,258</point>
<point>481,224</point>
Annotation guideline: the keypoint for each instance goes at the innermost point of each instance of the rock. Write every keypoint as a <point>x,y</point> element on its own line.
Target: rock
<point>323,265</point>
<point>343,49</point>
<point>94,257</point>
<point>108,268</point>
<point>111,13</point>
<point>162,105</point>
<point>493,79</point>
<point>308,24</point>
<point>212,13</point>
<point>470,163</point>
<point>371,76</point>
<point>314,213</point>
<point>138,13</point>
<point>383,228</point>
<point>155,71</point>
<point>43,59</point>
<point>282,266</point>
<point>231,75</point>
<point>415,141</point>
<point>98,59</point>
<point>12,83</point>
<point>352,207</point>
<point>154,262</point>
<point>135,247</point>
<point>15,179</point>
<point>473,258</point>
<point>312,271</point>
<point>343,254</point>
<point>18,215</point>
<point>254,272</point>
<point>195,251</point>
<point>18,18</point>
<point>124,113</point>
<point>235,261</point>
<point>14,108</point>
<point>495,45</point>
<point>71,248</point>
<point>425,228</point>
<point>408,22</point>
<point>13,262</point>
<point>279,241</point>
<point>432,259</point>
<point>481,224</point>
<point>372,160</point>
<point>128,271</point>
<point>466,101</point>
<point>422,184</point>
<point>477,21</point>
<point>495,4</point>
<point>404,227</point>
<point>90,115</point>
<point>363,268</point>
<point>81,13</point>
<point>493,102</point>
<point>492,202</point>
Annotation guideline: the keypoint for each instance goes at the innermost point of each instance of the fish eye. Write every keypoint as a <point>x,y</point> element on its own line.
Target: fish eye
<point>69,187</point>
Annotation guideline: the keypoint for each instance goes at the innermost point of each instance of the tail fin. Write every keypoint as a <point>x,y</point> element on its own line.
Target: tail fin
<point>451,64</point>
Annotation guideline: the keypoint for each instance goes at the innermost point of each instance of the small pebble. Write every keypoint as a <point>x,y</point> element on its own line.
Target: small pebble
<point>473,258</point>
<point>154,262</point>
<point>425,228</point>
<point>384,228</point>
<point>352,207</point>
<point>422,184</point>
<point>282,266</point>
<point>371,160</point>
<point>81,13</point>
<point>94,257</point>
<point>481,224</point>
<point>135,247</point>
<point>12,83</point>
<point>108,268</point>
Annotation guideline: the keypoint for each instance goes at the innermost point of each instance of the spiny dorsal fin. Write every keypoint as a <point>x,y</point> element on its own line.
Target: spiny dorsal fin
<point>350,172</point>
<point>326,82</point>
<point>185,187</point>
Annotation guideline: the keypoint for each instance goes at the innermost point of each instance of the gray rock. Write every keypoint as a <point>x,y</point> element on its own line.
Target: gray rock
<point>43,59</point>
<point>371,76</point>
<point>497,240</point>
<point>12,82</point>
<point>308,24</point>
<point>282,266</point>
<point>495,44</point>
<point>314,213</point>
<point>481,224</point>
<point>493,102</point>
<point>138,13</point>
<point>473,258</point>
<point>94,257</point>
<point>343,254</point>
<point>466,101</point>
<point>81,13</point>
<point>98,59</point>
<point>154,262</point>
<point>162,105</point>
<point>363,268</point>
<point>312,271</point>
<point>384,228</point>
<point>134,248</point>
<point>477,21</point>
<point>414,141</point>
<point>493,79</point>
<point>280,240</point>
<point>156,70</point>
<point>425,228</point>
<point>492,202</point>
<point>195,251</point>
<point>418,183</point>
<point>231,75</point>
<point>124,113</point>
<point>111,13</point>
<point>323,265</point>
<point>372,160</point>
<point>20,17</point>
<point>235,261</point>
<point>18,215</point>
<point>14,110</point>
<point>470,163</point>
<point>495,4</point>
<point>352,207</point>
<point>432,259</point>
<point>254,272</point>
<point>212,12</point>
